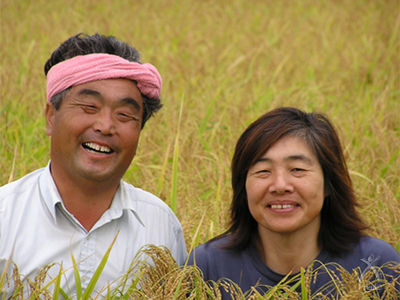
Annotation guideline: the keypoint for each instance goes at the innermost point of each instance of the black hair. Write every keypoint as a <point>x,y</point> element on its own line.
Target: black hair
<point>83,44</point>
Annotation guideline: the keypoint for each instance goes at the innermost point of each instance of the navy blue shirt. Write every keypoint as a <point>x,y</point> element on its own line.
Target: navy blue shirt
<point>247,269</point>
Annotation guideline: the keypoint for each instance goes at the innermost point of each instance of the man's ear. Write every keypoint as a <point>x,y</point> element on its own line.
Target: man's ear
<point>50,114</point>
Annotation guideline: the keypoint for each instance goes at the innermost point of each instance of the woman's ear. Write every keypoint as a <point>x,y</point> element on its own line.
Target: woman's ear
<point>50,112</point>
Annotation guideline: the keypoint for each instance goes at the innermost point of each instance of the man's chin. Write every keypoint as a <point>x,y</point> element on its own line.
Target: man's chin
<point>99,175</point>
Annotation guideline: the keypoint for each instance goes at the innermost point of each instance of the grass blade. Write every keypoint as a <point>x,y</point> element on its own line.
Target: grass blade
<point>78,284</point>
<point>162,175</point>
<point>196,234</point>
<point>56,291</point>
<point>174,188</point>
<point>98,272</point>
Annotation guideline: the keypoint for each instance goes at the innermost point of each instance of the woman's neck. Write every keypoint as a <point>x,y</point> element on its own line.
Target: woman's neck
<point>287,253</point>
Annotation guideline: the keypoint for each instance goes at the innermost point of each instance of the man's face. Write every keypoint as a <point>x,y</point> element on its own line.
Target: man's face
<point>95,132</point>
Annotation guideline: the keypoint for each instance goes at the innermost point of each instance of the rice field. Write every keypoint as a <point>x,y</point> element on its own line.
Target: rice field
<point>223,63</point>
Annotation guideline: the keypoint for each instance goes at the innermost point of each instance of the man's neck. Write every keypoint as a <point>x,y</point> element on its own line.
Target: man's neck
<point>85,200</point>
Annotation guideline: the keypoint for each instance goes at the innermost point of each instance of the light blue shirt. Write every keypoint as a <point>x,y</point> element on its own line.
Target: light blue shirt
<point>36,229</point>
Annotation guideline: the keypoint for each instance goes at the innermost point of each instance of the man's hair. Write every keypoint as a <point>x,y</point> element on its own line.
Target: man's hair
<point>83,44</point>
<point>341,225</point>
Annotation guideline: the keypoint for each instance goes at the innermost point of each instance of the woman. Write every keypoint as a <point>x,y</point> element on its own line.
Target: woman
<point>293,204</point>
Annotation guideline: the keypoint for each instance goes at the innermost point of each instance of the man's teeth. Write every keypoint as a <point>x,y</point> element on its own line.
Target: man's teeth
<point>278,206</point>
<point>97,148</point>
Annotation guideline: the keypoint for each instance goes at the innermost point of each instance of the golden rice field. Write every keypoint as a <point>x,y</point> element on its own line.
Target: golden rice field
<point>223,63</point>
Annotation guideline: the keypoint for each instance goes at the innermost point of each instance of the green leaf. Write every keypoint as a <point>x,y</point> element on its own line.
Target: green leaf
<point>56,291</point>
<point>98,272</point>
<point>78,284</point>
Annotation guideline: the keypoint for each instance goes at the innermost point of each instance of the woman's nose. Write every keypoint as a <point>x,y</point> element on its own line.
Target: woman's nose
<point>281,183</point>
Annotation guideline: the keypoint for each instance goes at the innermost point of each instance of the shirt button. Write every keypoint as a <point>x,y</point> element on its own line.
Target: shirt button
<point>84,278</point>
<point>88,237</point>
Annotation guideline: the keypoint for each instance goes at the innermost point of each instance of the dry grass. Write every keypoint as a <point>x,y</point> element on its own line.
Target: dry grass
<point>155,275</point>
<point>226,63</point>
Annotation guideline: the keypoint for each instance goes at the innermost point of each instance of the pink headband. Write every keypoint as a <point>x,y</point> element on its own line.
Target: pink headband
<point>91,67</point>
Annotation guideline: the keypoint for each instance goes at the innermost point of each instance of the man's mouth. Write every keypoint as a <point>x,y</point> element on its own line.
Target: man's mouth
<point>94,148</point>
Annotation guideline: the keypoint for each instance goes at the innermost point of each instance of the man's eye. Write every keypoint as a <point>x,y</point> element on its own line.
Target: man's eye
<point>90,109</point>
<point>297,170</point>
<point>127,117</point>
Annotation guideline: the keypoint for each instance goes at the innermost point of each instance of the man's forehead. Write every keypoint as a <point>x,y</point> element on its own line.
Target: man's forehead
<point>121,91</point>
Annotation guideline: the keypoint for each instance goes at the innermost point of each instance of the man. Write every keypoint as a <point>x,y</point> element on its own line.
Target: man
<point>99,98</point>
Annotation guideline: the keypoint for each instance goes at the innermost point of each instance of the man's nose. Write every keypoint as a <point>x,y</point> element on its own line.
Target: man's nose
<point>105,123</point>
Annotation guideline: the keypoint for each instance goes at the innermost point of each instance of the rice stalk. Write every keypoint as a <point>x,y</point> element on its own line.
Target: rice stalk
<point>174,188</point>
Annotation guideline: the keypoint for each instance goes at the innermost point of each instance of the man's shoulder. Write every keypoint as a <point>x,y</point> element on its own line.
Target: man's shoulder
<point>20,186</point>
<point>141,198</point>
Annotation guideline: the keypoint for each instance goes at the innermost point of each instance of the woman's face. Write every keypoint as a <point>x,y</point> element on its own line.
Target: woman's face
<point>285,189</point>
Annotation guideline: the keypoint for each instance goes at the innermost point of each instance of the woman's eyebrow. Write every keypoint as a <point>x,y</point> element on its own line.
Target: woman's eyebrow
<point>293,157</point>
<point>300,157</point>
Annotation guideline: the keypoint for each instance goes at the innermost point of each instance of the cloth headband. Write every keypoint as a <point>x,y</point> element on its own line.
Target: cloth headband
<point>91,67</point>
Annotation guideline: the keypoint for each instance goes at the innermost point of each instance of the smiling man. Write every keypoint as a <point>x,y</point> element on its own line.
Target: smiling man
<point>99,98</point>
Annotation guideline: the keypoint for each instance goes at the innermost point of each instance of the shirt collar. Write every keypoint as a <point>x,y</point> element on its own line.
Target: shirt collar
<point>49,191</point>
<point>51,197</point>
<point>123,201</point>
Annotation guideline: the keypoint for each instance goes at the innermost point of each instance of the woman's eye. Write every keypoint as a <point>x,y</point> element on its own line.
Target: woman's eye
<point>263,171</point>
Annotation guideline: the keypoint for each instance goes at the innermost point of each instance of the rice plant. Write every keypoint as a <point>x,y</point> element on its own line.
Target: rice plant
<point>154,274</point>
<point>223,64</point>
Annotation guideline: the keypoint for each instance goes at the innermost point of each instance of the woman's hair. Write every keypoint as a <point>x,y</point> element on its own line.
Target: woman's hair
<point>83,44</point>
<point>341,225</point>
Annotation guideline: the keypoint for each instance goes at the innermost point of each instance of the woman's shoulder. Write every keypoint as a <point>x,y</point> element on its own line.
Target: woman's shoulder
<point>373,246</point>
<point>214,251</point>
<point>217,261</point>
<point>369,251</point>
<point>213,247</point>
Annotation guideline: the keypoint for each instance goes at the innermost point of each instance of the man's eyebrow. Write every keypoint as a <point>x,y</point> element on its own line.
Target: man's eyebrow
<point>131,101</point>
<point>124,101</point>
<point>89,92</point>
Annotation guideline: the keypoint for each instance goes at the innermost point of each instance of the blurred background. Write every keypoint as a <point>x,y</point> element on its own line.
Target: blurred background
<point>223,63</point>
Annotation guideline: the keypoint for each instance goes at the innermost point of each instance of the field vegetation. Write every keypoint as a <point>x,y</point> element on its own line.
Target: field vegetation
<point>223,63</point>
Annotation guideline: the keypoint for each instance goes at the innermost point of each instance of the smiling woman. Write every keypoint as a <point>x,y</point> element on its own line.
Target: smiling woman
<point>293,205</point>
<point>285,194</point>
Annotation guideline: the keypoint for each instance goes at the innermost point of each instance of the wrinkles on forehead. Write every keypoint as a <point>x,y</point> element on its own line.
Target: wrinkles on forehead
<point>121,102</point>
